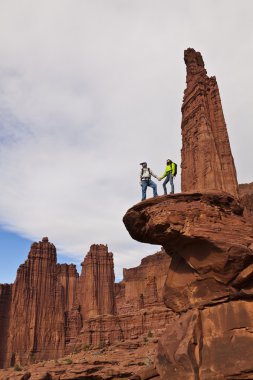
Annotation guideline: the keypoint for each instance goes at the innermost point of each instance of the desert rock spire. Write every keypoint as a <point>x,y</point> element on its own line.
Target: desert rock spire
<point>207,161</point>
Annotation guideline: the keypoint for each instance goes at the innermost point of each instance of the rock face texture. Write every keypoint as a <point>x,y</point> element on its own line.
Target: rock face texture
<point>5,304</point>
<point>50,311</point>
<point>208,232</point>
<point>138,305</point>
<point>207,162</point>
<point>68,277</point>
<point>246,200</point>
<point>97,283</point>
<point>207,255</point>
<point>142,286</point>
<point>195,295</point>
<point>37,308</point>
<point>209,282</point>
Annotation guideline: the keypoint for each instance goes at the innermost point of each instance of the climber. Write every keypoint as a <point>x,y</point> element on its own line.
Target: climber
<point>145,180</point>
<point>170,173</point>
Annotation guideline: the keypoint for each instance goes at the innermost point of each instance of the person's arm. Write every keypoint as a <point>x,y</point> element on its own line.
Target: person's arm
<point>167,169</point>
<point>154,175</point>
<point>140,176</point>
<point>164,175</point>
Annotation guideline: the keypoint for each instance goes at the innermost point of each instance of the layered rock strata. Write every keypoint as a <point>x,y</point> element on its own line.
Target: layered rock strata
<point>142,286</point>
<point>207,161</point>
<point>208,234</point>
<point>103,331</point>
<point>209,283</point>
<point>97,283</point>
<point>209,259</point>
<point>68,277</point>
<point>50,311</point>
<point>5,306</point>
<point>37,308</point>
<point>246,200</point>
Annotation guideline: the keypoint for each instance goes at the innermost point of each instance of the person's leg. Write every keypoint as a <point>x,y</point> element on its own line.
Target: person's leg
<point>171,184</point>
<point>144,185</point>
<point>154,187</point>
<point>165,183</point>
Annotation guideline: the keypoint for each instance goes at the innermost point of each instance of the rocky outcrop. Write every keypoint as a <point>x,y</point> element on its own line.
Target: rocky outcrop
<point>50,311</point>
<point>129,360</point>
<point>5,305</point>
<point>142,286</point>
<point>139,305</point>
<point>246,200</point>
<point>103,331</point>
<point>68,277</point>
<point>207,161</point>
<point>36,328</point>
<point>209,283</point>
<point>213,343</point>
<point>97,283</point>
<point>207,231</point>
<point>207,255</point>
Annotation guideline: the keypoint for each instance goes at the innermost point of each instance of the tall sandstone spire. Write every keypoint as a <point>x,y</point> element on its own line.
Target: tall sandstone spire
<point>5,307</point>
<point>36,327</point>
<point>207,161</point>
<point>97,282</point>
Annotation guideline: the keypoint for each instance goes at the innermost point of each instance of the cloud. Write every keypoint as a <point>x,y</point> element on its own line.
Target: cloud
<point>90,89</point>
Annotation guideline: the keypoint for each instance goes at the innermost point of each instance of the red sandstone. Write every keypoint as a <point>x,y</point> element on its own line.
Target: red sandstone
<point>207,161</point>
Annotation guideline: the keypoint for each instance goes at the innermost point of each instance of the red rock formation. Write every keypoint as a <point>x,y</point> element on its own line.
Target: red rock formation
<point>5,304</point>
<point>209,236</point>
<point>207,162</point>
<point>210,278</point>
<point>68,277</point>
<point>73,327</point>
<point>97,283</point>
<point>213,343</point>
<point>102,331</point>
<point>142,286</point>
<point>140,307</point>
<point>37,310</point>
<point>195,229</point>
<point>49,311</point>
<point>246,200</point>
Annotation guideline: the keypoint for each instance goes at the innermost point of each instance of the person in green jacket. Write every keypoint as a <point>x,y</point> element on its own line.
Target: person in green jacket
<point>169,174</point>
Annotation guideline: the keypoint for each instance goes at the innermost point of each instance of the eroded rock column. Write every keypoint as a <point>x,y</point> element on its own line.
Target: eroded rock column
<point>5,306</point>
<point>36,328</point>
<point>97,282</point>
<point>207,161</point>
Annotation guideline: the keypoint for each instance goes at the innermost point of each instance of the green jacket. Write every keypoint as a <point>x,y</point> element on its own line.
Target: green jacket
<point>169,169</point>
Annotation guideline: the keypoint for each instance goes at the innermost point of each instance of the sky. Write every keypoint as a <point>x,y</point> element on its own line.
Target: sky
<point>88,90</point>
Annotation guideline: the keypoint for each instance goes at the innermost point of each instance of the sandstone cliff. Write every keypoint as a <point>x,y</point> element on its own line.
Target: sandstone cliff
<point>207,161</point>
<point>208,233</point>
<point>5,305</point>
<point>246,200</point>
<point>97,283</point>
<point>142,286</point>
<point>50,311</point>
<point>139,305</point>
<point>195,295</point>
<point>36,324</point>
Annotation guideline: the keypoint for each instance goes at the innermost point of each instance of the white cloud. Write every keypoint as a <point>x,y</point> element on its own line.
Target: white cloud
<point>88,89</point>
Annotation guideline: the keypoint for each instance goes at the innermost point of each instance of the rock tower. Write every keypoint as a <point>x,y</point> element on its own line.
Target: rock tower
<point>97,282</point>
<point>207,161</point>
<point>209,284</point>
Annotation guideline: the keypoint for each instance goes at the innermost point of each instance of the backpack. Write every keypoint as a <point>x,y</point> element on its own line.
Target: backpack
<point>142,171</point>
<point>175,168</point>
